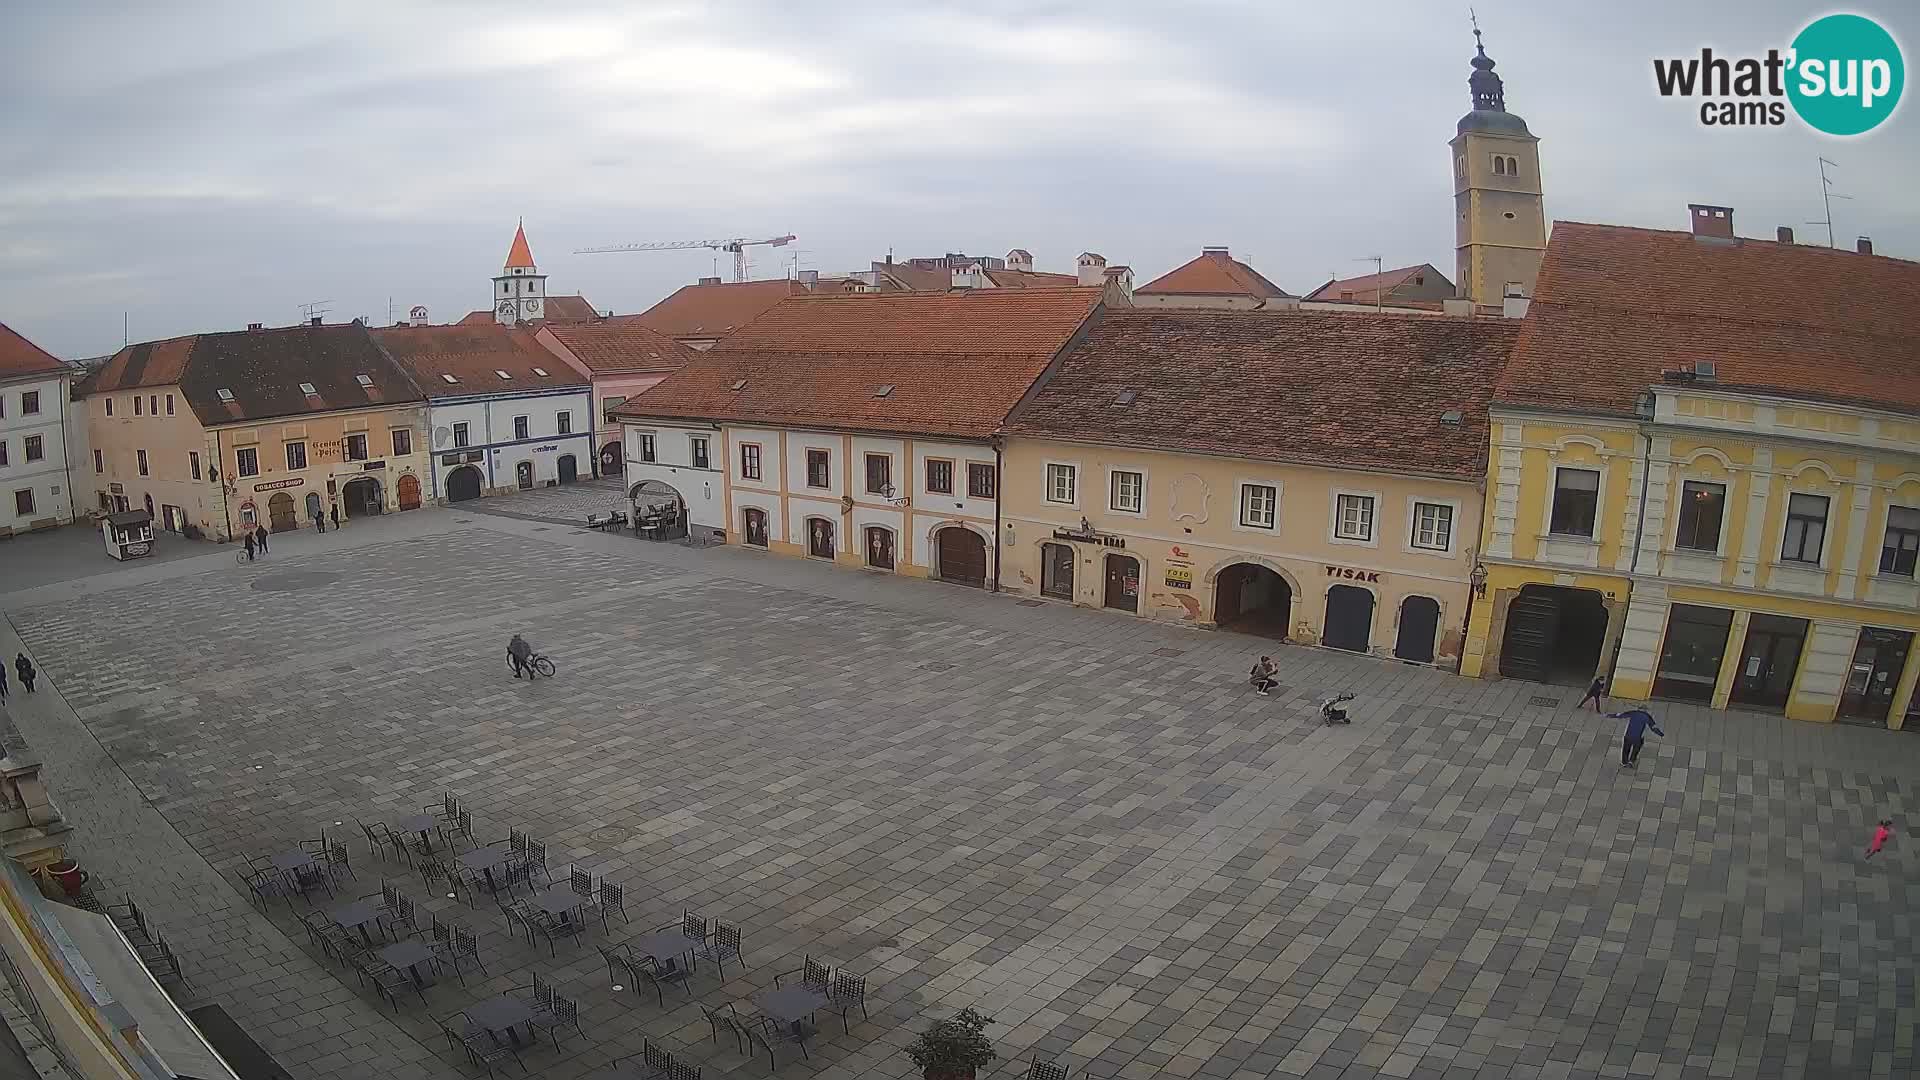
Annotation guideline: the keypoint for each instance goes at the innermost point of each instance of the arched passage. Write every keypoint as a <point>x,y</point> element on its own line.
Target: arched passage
<point>463,483</point>
<point>1253,599</point>
<point>362,497</point>
<point>960,556</point>
<point>658,509</point>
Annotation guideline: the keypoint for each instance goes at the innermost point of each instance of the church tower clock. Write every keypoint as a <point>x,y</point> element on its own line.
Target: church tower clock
<point>520,290</point>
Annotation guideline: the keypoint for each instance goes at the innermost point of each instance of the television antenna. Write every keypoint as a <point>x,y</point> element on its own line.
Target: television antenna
<point>1827,195</point>
<point>309,310</point>
<point>1379,267</point>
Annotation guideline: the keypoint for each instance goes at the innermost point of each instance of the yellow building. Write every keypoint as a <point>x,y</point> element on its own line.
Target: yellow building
<point>1704,475</point>
<point>214,433</point>
<point>1308,476</point>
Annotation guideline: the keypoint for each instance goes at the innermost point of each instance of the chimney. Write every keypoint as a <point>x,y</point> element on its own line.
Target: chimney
<point>1093,268</point>
<point>1786,234</point>
<point>1217,252</point>
<point>1514,304</point>
<point>1119,282</point>
<point>1457,306</point>
<point>708,281</point>
<point>1712,222</point>
<point>315,321</point>
<point>1865,245</point>
<point>810,278</point>
<point>255,326</point>
<point>1020,259</point>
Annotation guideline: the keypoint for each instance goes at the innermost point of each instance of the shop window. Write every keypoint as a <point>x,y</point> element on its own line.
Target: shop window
<point>1702,507</point>
<point>1576,499</point>
<point>1690,657</point>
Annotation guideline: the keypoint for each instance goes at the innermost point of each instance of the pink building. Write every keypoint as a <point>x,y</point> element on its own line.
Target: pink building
<point>622,357</point>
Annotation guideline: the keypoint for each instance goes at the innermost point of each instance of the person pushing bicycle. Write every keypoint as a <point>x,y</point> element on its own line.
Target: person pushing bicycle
<point>520,655</point>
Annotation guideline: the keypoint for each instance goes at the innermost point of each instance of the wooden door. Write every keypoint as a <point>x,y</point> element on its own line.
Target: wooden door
<point>820,538</point>
<point>880,548</point>
<point>1123,583</point>
<point>1419,623</point>
<point>756,527</point>
<point>409,491</point>
<point>280,512</point>
<point>963,557</point>
<point>1349,619</point>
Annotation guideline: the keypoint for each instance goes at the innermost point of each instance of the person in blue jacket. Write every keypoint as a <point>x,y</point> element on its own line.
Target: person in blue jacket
<point>1638,721</point>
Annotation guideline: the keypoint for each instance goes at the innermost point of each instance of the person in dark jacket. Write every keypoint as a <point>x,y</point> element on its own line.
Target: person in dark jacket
<point>249,537</point>
<point>1638,721</point>
<point>260,538</point>
<point>1594,693</point>
<point>24,668</point>
<point>3,684</point>
<point>520,654</point>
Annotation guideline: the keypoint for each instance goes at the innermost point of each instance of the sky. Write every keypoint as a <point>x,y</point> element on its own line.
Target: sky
<point>182,167</point>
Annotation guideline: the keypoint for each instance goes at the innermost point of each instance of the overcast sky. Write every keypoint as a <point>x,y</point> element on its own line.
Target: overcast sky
<point>199,166</point>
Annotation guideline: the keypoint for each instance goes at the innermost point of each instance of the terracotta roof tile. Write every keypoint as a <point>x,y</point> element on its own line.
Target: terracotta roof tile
<point>18,356</point>
<point>1362,288</point>
<point>1614,307</point>
<point>147,363</point>
<point>620,345</point>
<point>1031,279</point>
<point>957,362</point>
<point>520,255</point>
<point>1361,391</point>
<point>1214,273</point>
<point>714,311</point>
<point>558,309</point>
<point>474,355</point>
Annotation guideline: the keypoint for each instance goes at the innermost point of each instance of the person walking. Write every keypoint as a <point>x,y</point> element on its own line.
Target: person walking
<point>1880,834</point>
<point>336,517</point>
<point>1594,693</point>
<point>1638,722</point>
<point>3,684</point>
<point>520,654</point>
<point>319,521</point>
<point>1262,676</point>
<point>260,538</point>
<point>24,668</point>
<point>249,537</point>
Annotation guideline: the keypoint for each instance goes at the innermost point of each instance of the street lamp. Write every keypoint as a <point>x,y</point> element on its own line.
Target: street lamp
<point>1479,579</point>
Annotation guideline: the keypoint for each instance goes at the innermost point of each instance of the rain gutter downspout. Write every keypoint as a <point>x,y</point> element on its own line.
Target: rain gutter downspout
<point>999,495</point>
<point>1639,528</point>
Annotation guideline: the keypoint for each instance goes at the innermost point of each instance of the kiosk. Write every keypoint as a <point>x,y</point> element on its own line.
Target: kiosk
<point>129,534</point>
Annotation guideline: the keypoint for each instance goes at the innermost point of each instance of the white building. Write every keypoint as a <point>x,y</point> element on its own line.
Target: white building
<point>504,413</point>
<point>33,447</point>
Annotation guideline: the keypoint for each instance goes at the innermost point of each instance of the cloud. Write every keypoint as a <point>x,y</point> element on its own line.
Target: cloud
<point>201,165</point>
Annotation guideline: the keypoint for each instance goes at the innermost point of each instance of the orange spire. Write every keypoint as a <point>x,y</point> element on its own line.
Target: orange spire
<point>519,254</point>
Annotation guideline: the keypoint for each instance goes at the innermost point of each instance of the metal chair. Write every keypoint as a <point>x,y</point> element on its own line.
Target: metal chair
<point>561,1012</point>
<point>537,860</point>
<point>130,919</point>
<point>465,947</point>
<point>401,914</point>
<point>461,828</point>
<point>719,1020</point>
<point>658,1061</point>
<point>683,1071</point>
<point>580,881</point>
<point>339,859</point>
<point>646,970</point>
<point>847,991</point>
<point>457,884</point>
<point>812,973</point>
<point>769,1032</point>
<point>619,966</point>
<point>261,887</point>
<point>1045,1070</point>
<point>725,945</point>
<point>483,1049</point>
<point>612,897</point>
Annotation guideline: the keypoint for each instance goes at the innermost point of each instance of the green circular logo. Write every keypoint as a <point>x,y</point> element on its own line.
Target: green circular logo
<point>1847,74</point>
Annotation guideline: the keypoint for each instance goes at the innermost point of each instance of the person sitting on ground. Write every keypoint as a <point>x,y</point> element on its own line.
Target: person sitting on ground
<point>1262,676</point>
<point>520,654</point>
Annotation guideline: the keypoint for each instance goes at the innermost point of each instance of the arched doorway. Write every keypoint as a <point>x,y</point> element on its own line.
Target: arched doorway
<point>314,506</point>
<point>569,467</point>
<point>610,463</point>
<point>463,483</point>
<point>820,538</point>
<point>280,515</point>
<point>1349,619</point>
<point>658,510</point>
<point>409,491</point>
<point>363,497</point>
<point>1419,626</point>
<point>963,556</point>
<point>1123,583</point>
<point>1253,599</point>
<point>1056,571</point>
<point>879,547</point>
<point>756,527</point>
<point>1554,635</point>
<point>523,474</point>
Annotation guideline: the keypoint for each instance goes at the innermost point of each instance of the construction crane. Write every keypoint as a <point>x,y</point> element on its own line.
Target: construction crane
<point>738,246</point>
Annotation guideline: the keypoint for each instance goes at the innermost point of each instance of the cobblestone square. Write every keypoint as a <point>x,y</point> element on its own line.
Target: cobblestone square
<point>1082,823</point>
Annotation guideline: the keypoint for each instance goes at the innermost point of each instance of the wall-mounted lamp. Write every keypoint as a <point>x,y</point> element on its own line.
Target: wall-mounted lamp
<point>1479,579</point>
<point>1009,534</point>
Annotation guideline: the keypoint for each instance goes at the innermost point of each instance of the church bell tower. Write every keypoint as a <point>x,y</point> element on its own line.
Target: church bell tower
<point>520,291</point>
<point>1500,227</point>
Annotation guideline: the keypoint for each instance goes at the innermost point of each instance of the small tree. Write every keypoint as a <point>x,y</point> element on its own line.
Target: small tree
<point>958,1044</point>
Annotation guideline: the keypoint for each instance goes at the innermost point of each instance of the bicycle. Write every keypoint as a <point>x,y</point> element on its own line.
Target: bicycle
<point>241,558</point>
<point>537,664</point>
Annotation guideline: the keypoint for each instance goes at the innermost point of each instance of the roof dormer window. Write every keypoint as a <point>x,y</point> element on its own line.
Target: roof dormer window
<point>501,373</point>
<point>450,380</point>
<point>307,389</point>
<point>363,380</point>
<point>224,394</point>
<point>540,371</point>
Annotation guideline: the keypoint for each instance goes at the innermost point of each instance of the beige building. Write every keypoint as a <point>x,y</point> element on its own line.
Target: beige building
<point>1501,224</point>
<point>214,432</point>
<point>1313,476</point>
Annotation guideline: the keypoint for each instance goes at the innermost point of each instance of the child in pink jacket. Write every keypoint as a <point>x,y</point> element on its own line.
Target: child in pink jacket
<point>1880,834</point>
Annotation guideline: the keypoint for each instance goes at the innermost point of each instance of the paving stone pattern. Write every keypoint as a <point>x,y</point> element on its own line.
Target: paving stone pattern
<point>1083,823</point>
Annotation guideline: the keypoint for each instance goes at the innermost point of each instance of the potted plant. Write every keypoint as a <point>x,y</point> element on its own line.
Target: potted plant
<point>953,1048</point>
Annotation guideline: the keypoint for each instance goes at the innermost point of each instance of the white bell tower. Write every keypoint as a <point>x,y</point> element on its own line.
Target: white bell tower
<point>520,290</point>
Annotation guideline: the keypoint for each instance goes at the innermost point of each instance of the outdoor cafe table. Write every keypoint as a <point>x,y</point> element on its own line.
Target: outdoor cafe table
<point>409,955</point>
<point>560,900</point>
<point>665,946</point>
<point>424,824</point>
<point>791,1003</point>
<point>356,916</point>
<point>486,860</point>
<point>298,859</point>
<point>502,1013</point>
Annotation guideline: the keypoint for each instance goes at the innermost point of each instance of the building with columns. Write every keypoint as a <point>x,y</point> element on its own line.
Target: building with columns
<point>1704,476</point>
<point>1500,227</point>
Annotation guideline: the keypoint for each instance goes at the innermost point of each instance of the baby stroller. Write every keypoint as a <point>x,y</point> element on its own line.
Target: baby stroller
<point>1332,713</point>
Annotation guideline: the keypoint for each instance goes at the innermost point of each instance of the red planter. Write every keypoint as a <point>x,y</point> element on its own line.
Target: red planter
<point>68,873</point>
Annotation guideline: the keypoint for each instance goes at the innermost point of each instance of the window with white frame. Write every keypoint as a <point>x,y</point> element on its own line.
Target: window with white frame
<point>1432,526</point>
<point>1900,549</point>
<point>698,445</point>
<point>246,460</point>
<point>461,434</point>
<point>1259,504</point>
<point>1060,483</point>
<point>1353,517</point>
<point>1576,502</point>
<point>1126,491</point>
<point>1806,528</point>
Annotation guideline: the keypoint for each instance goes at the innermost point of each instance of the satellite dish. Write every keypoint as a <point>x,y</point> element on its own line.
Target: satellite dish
<point>441,435</point>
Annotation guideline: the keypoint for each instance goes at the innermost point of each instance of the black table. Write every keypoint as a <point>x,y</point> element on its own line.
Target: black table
<point>486,860</point>
<point>297,859</point>
<point>356,916</point>
<point>409,955</point>
<point>791,1003</point>
<point>424,824</point>
<point>665,946</point>
<point>559,900</point>
<point>502,1013</point>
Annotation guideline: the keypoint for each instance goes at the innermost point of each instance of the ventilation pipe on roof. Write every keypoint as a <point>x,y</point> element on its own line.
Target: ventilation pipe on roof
<point>315,321</point>
<point>255,326</point>
<point>1865,245</point>
<point>708,281</point>
<point>1711,222</point>
<point>1786,234</point>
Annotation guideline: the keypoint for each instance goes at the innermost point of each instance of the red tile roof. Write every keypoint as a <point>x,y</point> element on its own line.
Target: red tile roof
<point>520,255</point>
<point>262,371</point>
<point>474,355</point>
<point>18,356</point>
<point>1361,391</point>
<point>621,345</point>
<point>1361,289</point>
<point>1214,273</point>
<point>1614,307</point>
<point>956,362</point>
<point>700,312</point>
<point>1030,279</point>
